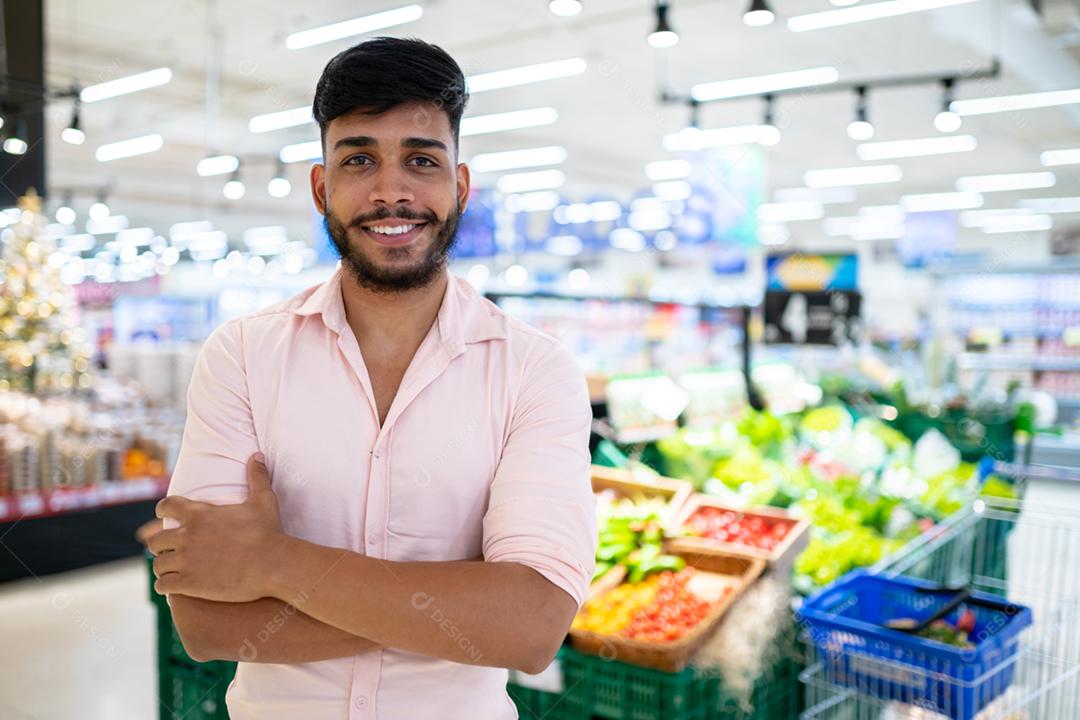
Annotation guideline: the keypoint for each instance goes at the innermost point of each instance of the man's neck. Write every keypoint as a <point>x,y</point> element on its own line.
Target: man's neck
<point>391,319</point>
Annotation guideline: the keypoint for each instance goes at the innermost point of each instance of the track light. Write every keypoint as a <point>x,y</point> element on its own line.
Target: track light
<point>860,128</point>
<point>16,143</point>
<point>770,134</point>
<point>99,211</point>
<point>65,214</point>
<point>73,132</point>
<point>947,121</point>
<point>663,36</point>
<point>234,189</point>
<point>279,185</point>
<point>759,14</point>
<point>565,8</point>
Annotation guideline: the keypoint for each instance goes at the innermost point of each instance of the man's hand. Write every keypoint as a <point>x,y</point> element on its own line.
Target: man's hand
<point>220,552</point>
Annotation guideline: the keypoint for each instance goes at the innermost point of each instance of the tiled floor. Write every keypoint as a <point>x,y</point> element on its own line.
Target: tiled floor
<point>79,645</point>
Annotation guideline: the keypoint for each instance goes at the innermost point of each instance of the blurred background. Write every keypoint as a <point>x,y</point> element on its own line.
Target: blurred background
<point>732,213</point>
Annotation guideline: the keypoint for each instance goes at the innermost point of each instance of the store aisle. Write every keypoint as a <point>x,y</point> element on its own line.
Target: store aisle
<point>79,644</point>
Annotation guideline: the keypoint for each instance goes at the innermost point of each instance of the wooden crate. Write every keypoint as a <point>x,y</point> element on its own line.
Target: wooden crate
<point>716,572</point>
<point>626,484</point>
<point>780,558</point>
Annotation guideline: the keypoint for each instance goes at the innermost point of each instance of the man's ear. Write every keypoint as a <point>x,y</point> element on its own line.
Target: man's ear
<point>318,187</point>
<point>464,181</point>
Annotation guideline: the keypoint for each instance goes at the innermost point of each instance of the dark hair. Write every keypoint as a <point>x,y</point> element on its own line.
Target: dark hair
<point>379,74</point>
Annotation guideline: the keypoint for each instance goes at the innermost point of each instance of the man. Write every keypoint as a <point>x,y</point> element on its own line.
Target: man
<point>424,516</point>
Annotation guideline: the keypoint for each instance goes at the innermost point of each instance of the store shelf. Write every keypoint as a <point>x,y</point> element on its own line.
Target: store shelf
<point>67,500</point>
<point>986,361</point>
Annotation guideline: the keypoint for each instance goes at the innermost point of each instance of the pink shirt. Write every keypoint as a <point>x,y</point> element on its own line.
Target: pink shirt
<point>484,451</point>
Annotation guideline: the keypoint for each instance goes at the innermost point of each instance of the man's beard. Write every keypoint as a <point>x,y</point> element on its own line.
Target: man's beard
<point>394,280</point>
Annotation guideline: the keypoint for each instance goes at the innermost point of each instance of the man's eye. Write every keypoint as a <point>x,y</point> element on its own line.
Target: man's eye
<point>357,159</point>
<point>424,162</point>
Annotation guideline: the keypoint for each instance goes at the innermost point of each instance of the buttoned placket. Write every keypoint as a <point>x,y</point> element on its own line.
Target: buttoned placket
<point>431,360</point>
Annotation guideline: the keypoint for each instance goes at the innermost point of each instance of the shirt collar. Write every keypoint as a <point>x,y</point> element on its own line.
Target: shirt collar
<point>464,316</point>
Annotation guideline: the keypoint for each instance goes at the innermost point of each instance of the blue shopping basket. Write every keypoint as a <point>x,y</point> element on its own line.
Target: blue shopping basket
<point>845,625</point>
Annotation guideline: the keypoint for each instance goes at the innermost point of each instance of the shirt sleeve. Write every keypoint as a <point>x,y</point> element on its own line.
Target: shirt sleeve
<point>542,512</point>
<point>219,434</point>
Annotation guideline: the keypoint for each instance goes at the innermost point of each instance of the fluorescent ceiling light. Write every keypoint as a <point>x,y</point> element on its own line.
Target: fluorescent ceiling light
<point>528,181</point>
<point>1052,205</point>
<point>525,75</point>
<point>649,220</point>
<point>915,148</point>
<point>298,152</point>
<point>788,212</point>
<point>283,119</point>
<point>513,159</point>
<point>356,26</point>
<point>860,175</point>
<point>982,218</point>
<point>217,165</point>
<point>883,213</point>
<point>1060,157</point>
<point>532,202</point>
<point>760,84</point>
<point>564,245</point>
<point>128,148</point>
<point>514,120</point>
<point>695,139</point>
<point>672,190</point>
<point>1006,182</point>
<point>1007,103</point>
<point>875,230</point>
<point>862,13</point>
<point>667,170</point>
<point>941,201</point>
<point>125,85</point>
<point>823,195</point>
<point>1019,223</point>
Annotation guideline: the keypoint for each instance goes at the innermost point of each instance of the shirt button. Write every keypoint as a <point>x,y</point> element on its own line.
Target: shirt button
<point>376,455</point>
<point>373,539</point>
<point>360,702</point>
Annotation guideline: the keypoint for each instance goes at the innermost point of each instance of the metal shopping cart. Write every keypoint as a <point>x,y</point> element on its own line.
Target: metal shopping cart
<point>1015,550</point>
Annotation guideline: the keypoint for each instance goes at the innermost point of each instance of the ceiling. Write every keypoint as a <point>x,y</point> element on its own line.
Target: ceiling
<point>609,119</point>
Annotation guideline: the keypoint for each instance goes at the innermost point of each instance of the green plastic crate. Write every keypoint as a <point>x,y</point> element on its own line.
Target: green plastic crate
<point>598,689</point>
<point>187,689</point>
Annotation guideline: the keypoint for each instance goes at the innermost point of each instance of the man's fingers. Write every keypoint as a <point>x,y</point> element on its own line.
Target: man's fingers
<point>257,474</point>
<point>175,507</point>
<point>165,541</point>
<point>168,584</point>
<point>166,563</point>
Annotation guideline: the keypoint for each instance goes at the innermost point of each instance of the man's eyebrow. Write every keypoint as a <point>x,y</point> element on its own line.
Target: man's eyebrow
<point>355,141</point>
<point>419,143</point>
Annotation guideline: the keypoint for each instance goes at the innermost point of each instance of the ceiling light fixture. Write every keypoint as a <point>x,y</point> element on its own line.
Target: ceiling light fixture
<point>858,175</point>
<point>281,119</point>
<point>128,148</point>
<point>565,8</point>
<point>125,85</point>
<point>530,181</point>
<point>932,202</point>
<point>234,189</point>
<point>514,120</point>
<point>916,148</point>
<point>299,152</point>
<point>1008,103</point>
<point>759,14</point>
<point>73,133</point>
<point>1051,158</point>
<point>862,13</point>
<point>525,75</point>
<point>16,144</point>
<point>514,159</point>
<point>762,84</point>
<point>217,165</point>
<point>1006,182</point>
<point>279,185</point>
<point>860,128</point>
<point>1052,205</point>
<point>663,36</point>
<point>770,134</point>
<point>947,121</point>
<point>668,170</point>
<point>351,28</point>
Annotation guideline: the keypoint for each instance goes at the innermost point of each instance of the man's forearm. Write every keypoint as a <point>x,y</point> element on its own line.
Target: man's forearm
<point>500,614</point>
<point>264,631</point>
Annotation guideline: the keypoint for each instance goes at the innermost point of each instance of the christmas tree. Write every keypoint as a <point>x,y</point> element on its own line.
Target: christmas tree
<point>41,349</point>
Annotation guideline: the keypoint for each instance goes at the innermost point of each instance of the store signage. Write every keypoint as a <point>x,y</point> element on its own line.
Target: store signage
<point>928,236</point>
<point>812,299</point>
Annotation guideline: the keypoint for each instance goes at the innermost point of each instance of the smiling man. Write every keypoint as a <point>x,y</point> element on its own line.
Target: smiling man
<point>382,496</point>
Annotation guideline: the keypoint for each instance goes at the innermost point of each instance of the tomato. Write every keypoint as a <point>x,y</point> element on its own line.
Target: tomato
<point>727,526</point>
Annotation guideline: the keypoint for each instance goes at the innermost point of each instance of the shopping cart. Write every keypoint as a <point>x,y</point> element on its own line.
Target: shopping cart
<point>1018,550</point>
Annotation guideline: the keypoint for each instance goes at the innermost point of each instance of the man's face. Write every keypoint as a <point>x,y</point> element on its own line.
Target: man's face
<point>391,193</point>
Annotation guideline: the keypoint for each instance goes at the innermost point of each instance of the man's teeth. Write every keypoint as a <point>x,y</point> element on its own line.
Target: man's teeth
<point>391,230</point>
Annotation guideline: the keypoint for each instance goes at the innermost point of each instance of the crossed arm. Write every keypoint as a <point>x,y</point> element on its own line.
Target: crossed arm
<point>243,590</point>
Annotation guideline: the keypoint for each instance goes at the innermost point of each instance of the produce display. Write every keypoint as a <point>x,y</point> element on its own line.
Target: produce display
<point>659,609</point>
<point>729,526</point>
<point>957,635</point>
<point>866,488</point>
<point>631,535</point>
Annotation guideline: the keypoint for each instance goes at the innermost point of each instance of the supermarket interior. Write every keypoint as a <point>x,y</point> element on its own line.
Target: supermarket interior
<point>818,262</point>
